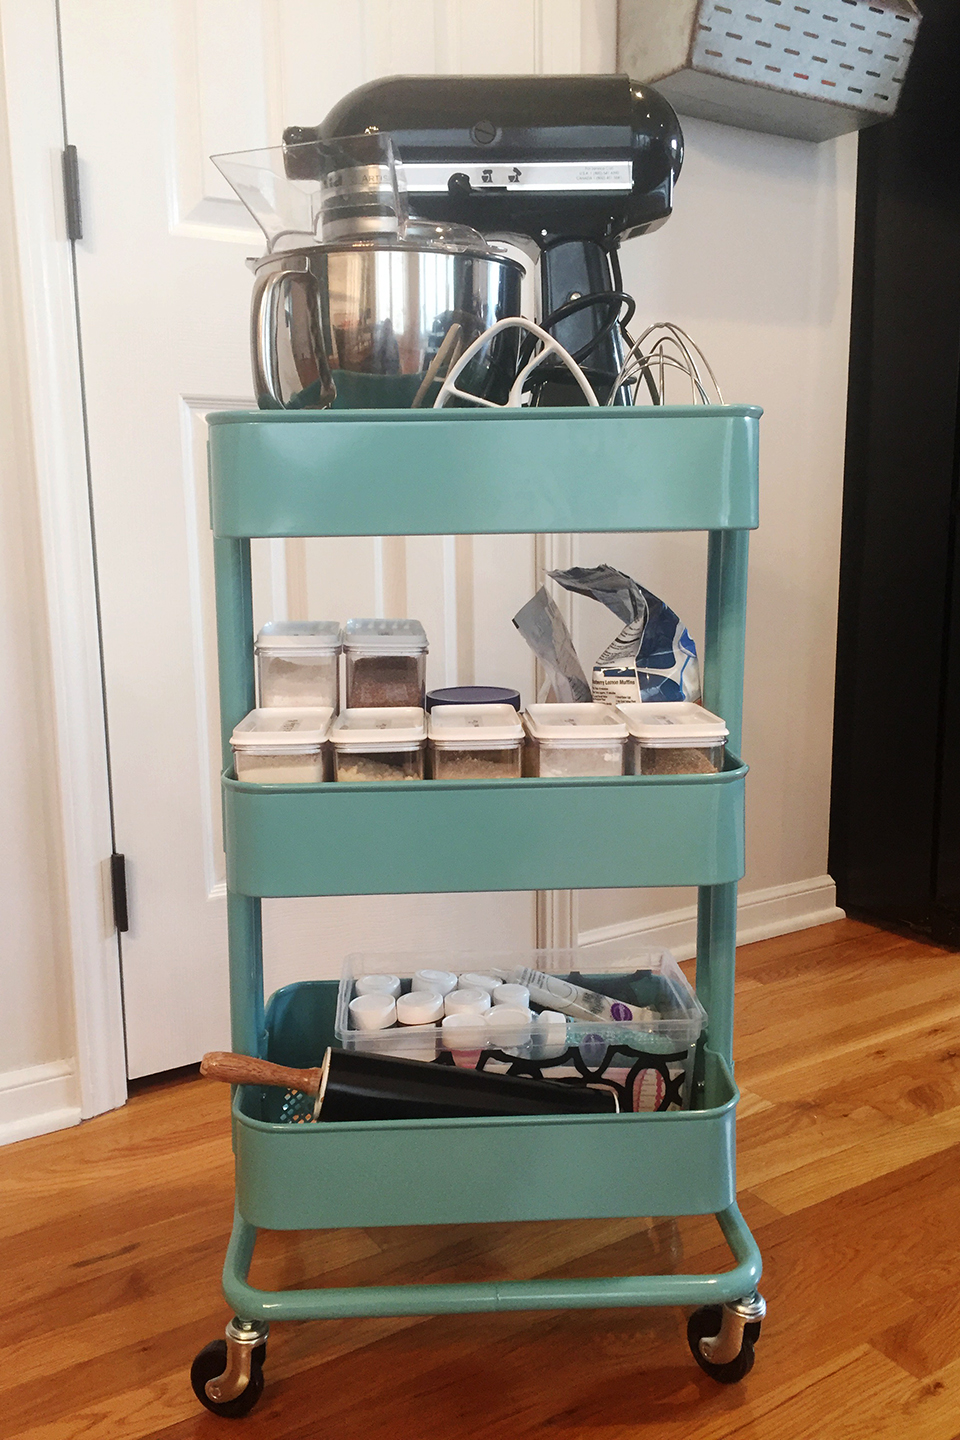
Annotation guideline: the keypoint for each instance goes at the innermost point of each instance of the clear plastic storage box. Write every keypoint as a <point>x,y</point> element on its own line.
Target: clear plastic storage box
<point>674,738</point>
<point>567,740</point>
<point>385,663</point>
<point>283,746</point>
<point>648,1056</point>
<point>298,663</point>
<point>379,744</point>
<point>475,742</point>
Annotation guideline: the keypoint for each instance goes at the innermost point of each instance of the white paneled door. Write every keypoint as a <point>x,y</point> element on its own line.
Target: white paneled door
<point>152,90</point>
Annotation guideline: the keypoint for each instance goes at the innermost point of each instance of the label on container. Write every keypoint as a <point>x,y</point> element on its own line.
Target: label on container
<point>615,685</point>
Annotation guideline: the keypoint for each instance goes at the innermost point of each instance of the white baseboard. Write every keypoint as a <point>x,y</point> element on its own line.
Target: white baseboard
<point>38,1100</point>
<point>760,915</point>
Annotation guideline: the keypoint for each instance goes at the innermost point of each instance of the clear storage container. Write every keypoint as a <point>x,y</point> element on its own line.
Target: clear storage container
<point>475,742</point>
<point>566,740</point>
<point>283,746</point>
<point>674,738</point>
<point>384,743</point>
<point>385,663</point>
<point>298,663</point>
<point>648,1059</point>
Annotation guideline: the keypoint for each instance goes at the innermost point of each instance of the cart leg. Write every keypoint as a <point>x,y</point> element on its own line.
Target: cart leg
<point>737,1315</point>
<point>716,962</point>
<point>243,1337</point>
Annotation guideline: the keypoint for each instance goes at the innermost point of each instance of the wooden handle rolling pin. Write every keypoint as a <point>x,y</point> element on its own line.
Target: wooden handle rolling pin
<point>355,1085</point>
<point>247,1070</point>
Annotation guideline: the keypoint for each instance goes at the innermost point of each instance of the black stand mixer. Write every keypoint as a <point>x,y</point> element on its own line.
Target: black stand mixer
<point>564,167</point>
<point>572,163</point>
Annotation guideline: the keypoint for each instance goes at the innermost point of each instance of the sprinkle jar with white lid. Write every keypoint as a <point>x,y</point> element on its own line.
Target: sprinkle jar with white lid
<point>282,746</point>
<point>574,740</point>
<point>298,663</point>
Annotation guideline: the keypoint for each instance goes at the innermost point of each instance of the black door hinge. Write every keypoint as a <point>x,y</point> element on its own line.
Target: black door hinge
<point>71,194</point>
<point>118,881</point>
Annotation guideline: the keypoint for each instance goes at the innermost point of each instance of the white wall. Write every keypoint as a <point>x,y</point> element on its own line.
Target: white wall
<point>755,264</point>
<point>38,1089</point>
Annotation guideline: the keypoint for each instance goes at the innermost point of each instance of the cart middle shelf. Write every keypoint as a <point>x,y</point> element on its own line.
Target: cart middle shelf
<point>436,835</point>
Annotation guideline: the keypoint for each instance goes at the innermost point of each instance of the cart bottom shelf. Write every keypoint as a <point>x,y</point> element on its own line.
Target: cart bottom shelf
<point>408,1172</point>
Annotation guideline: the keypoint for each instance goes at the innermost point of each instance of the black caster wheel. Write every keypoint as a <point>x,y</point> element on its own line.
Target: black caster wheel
<point>210,1363</point>
<point>704,1324</point>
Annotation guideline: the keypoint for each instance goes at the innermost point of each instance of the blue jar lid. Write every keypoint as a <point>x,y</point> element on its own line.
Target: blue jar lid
<point>473,695</point>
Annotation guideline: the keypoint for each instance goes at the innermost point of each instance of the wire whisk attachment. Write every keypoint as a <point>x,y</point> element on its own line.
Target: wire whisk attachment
<point>654,359</point>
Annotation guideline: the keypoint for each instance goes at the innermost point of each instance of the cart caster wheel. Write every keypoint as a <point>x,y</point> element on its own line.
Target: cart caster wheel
<point>720,1328</point>
<point>210,1363</point>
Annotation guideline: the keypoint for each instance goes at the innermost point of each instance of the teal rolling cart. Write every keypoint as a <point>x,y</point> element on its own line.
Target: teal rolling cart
<point>481,472</point>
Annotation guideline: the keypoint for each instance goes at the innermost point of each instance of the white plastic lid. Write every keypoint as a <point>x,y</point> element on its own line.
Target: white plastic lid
<point>466,1002</point>
<point>575,724</point>
<point>674,722</point>
<point>375,637</point>
<point>294,730</point>
<point>419,1007</point>
<point>441,981</point>
<point>476,725</point>
<point>320,636</point>
<point>381,729</point>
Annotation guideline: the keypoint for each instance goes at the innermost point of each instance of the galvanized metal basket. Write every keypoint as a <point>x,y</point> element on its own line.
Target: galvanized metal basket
<point>810,69</point>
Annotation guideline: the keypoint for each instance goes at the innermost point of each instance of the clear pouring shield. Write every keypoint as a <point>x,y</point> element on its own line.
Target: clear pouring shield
<point>320,190</point>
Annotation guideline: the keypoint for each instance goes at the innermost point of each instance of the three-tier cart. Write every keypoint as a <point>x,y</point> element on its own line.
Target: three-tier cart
<point>388,472</point>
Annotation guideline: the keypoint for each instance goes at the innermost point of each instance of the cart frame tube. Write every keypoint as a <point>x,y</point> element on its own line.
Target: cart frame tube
<point>375,1300</point>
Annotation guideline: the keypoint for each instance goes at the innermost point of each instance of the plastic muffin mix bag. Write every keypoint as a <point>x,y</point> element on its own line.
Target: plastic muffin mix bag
<point>653,657</point>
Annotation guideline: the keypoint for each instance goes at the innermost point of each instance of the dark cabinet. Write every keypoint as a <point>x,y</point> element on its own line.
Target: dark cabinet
<point>895,820</point>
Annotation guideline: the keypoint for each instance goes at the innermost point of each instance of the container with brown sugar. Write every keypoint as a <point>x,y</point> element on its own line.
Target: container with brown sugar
<point>385,663</point>
<point>673,738</point>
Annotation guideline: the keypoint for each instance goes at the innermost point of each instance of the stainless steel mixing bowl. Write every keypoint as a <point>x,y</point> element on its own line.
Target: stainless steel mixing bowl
<point>377,324</point>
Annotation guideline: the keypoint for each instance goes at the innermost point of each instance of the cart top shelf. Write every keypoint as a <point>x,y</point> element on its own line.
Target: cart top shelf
<point>445,472</point>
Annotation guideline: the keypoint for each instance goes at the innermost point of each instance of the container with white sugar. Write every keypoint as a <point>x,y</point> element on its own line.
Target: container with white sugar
<point>574,740</point>
<point>298,663</point>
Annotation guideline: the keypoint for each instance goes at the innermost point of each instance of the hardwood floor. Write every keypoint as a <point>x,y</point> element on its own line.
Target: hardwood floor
<point>112,1237</point>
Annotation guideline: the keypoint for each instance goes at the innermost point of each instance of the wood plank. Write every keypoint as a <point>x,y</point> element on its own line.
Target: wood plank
<point>929,1340</point>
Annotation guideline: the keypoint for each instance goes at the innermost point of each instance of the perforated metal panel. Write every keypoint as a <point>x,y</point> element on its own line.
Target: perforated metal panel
<point>843,51</point>
<point>806,68</point>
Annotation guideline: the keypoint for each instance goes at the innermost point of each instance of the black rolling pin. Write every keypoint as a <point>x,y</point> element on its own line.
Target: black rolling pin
<point>352,1085</point>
